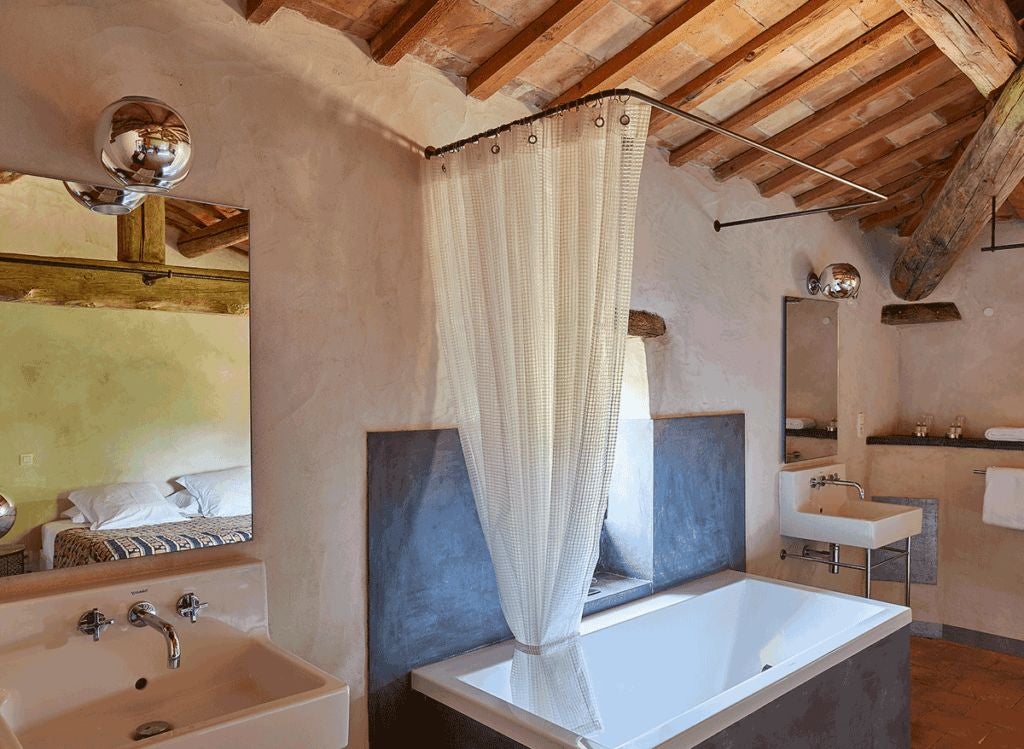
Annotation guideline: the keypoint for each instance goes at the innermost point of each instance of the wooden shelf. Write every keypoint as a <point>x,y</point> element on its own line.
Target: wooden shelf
<point>818,434</point>
<point>963,442</point>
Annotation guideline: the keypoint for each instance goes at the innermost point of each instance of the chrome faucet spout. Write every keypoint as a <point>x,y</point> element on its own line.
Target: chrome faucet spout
<point>143,614</point>
<point>817,482</point>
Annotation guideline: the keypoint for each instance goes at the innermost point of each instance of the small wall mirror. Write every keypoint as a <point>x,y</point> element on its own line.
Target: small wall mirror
<point>811,391</point>
<point>124,421</point>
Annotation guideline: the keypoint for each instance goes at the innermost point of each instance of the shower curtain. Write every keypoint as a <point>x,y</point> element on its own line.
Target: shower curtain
<point>531,242</point>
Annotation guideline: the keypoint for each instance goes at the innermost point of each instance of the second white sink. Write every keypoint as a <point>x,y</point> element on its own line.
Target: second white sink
<point>828,514</point>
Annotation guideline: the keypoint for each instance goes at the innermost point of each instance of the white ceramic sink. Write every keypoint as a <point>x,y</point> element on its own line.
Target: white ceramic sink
<point>835,514</point>
<point>235,688</point>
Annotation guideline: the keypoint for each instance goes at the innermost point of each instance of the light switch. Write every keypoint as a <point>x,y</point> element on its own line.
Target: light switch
<point>26,459</point>
<point>860,424</point>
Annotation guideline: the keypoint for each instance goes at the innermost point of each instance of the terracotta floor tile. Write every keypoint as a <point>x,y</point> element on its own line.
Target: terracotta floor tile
<point>924,737</point>
<point>965,697</point>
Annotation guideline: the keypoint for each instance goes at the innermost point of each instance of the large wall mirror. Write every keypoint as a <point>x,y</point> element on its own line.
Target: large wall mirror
<point>811,397</point>
<point>124,419</point>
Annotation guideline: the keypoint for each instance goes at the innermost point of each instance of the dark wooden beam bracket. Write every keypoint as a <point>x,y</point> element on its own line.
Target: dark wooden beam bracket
<point>918,314</point>
<point>646,324</point>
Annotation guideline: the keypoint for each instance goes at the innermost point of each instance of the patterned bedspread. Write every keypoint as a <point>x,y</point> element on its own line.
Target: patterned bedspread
<point>78,546</point>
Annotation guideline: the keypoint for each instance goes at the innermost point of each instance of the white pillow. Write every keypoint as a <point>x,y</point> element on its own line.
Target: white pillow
<point>185,502</point>
<point>124,506</point>
<point>74,515</point>
<point>221,493</point>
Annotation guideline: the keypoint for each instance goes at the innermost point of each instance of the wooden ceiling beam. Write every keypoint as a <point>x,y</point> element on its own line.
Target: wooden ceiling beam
<point>224,233</point>
<point>892,215</point>
<point>913,186</point>
<point>936,169</point>
<point>992,165</point>
<point>865,46</point>
<point>946,93</point>
<point>982,38</point>
<point>260,11</point>
<point>406,28</point>
<point>841,107</point>
<point>529,45</point>
<point>654,42</point>
<point>931,194</point>
<point>60,281</point>
<point>915,149</point>
<point>745,58</point>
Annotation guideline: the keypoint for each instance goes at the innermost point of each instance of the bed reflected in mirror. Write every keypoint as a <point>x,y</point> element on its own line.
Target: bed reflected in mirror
<point>124,422</point>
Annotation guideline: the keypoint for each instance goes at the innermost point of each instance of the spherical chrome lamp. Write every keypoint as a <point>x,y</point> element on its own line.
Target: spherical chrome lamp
<point>110,201</point>
<point>837,281</point>
<point>8,514</point>
<point>144,144</point>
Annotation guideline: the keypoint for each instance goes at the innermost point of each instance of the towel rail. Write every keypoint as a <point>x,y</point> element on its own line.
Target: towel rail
<point>979,471</point>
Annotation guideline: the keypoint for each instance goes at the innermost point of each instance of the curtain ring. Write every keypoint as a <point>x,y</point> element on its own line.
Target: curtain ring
<point>495,148</point>
<point>623,98</point>
<point>599,121</point>
<point>624,119</point>
<point>444,168</point>
<point>531,138</point>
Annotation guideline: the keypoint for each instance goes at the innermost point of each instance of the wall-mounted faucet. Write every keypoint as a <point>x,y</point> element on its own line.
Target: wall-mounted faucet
<point>143,614</point>
<point>817,482</point>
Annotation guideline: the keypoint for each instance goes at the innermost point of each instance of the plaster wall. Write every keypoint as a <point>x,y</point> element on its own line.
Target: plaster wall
<point>721,296</point>
<point>970,368</point>
<point>293,121</point>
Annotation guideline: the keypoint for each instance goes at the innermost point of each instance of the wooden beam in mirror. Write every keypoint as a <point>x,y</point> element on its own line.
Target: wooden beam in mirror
<point>141,234</point>
<point>125,379</point>
<point>811,381</point>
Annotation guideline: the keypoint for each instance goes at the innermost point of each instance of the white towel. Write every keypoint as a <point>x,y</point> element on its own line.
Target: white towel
<point>799,422</point>
<point>1004,497</point>
<point>1005,434</point>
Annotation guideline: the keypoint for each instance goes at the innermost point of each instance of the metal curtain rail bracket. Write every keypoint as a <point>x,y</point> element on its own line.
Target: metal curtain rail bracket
<point>876,197</point>
<point>993,247</point>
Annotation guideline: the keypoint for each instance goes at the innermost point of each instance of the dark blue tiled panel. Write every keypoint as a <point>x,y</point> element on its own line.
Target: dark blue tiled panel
<point>699,497</point>
<point>432,591</point>
<point>924,547</point>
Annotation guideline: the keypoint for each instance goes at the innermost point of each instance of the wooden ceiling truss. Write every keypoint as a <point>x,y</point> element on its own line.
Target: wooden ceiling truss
<point>883,92</point>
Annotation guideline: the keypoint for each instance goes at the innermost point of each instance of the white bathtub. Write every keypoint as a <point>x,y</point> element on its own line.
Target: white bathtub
<point>672,670</point>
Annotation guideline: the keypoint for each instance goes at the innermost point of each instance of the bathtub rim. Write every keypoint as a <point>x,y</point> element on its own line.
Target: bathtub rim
<point>440,681</point>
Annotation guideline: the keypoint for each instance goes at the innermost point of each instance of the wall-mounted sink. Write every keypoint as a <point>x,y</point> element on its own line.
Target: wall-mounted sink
<point>235,688</point>
<point>834,514</point>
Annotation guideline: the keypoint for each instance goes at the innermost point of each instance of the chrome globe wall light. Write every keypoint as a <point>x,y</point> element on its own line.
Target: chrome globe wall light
<point>837,281</point>
<point>145,146</point>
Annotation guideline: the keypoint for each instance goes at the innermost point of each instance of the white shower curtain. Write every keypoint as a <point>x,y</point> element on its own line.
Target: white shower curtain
<point>531,243</point>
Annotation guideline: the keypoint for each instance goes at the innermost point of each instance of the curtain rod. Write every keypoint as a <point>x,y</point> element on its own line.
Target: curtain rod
<point>626,93</point>
<point>149,275</point>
